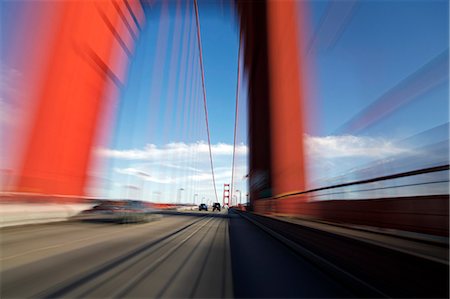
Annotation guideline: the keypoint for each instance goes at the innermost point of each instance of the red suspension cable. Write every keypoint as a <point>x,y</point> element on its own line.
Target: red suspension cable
<point>204,96</point>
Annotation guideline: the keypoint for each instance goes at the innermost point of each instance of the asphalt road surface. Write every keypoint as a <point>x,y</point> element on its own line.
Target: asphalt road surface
<point>177,256</point>
<point>182,255</point>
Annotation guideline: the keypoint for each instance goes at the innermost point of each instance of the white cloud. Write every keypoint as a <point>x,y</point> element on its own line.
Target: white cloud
<point>178,165</point>
<point>145,176</point>
<point>333,156</point>
<point>166,169</point>
<point>351,146</point>
<point>178,150</point>
<point>325,147</point>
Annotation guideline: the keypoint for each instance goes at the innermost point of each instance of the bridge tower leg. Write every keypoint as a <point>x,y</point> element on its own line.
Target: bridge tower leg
<point>92,40</point>
<point>273,63</point>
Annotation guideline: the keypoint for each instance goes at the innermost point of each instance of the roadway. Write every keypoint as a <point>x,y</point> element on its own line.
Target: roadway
<point>182,255</point>
<point>176,256</point>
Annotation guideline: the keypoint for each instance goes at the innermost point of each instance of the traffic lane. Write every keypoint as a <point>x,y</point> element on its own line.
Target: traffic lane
<point>53,231</point>
<point>47,268</point>
<point>263,268</point>
<point>200,269</point>
<point>168,270</point>
<point>26,233</point>
<point>23,245</point>
<point>195,213</point>
<point>82,272</point>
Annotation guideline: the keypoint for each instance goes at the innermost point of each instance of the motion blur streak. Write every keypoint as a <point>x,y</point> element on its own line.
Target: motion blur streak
<point>332,25</point>
<point>428,77</point>
<point>87,55</point>
<point>177,256</point>
<point>339,177</point>
<point>286,98</point>
<point>276,116</point>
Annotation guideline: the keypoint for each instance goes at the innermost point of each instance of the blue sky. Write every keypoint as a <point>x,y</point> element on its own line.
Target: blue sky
<point>220,44</point>
<point>379,46</point>
<point>361,52</point>
<point>383,43</point>
<point>154,74</point>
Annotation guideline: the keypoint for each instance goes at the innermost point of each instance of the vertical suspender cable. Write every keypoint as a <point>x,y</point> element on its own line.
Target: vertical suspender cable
<point>204,96</point>
<point>236,116</point>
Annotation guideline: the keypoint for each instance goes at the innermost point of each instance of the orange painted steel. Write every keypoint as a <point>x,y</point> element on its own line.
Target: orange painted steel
<point>86,55</point>
<point>272,60</point>
<point>252,19</point>
<point>226,195</point>
<point>422,214</point>
<point>286,99</point>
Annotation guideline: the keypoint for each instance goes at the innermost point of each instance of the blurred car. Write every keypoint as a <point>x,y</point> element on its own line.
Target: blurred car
<point>127,211</point>
<point>203,207</point>
<point>216,206</point>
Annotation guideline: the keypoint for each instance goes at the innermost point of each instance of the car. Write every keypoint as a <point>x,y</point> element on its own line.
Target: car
<point>123,211</point>
<point>203,207</point>
<point>216,206</point>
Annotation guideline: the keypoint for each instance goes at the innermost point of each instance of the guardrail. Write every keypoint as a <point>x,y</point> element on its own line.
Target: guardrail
<point>428,214</point>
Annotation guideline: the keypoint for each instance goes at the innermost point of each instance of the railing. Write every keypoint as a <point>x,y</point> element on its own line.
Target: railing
<point>377,179</point>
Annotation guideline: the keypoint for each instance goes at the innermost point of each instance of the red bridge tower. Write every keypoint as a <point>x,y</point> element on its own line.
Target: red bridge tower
<point>226,195</point>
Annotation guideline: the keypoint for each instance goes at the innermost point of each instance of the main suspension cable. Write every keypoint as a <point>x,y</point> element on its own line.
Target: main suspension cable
<point>199,42</point>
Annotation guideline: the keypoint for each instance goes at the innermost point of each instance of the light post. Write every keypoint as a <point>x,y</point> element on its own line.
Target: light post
<point>240,196</point>
<point>156,195</point>
<point>179,195</point>
<point>128,189</point>
<point>142,189</point>
<point>143,175</point>
<point>195,195</point>
<point>246,177</point>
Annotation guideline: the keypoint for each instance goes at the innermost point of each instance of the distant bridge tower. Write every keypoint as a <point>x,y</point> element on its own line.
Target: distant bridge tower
<point>226,195</point>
